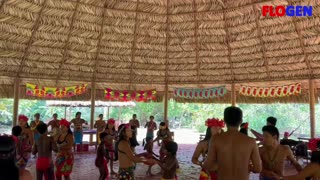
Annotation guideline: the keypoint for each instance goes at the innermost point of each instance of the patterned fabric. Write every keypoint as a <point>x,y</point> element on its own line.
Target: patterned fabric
<point>24,156</point>
<point>78,135</point>
<point>126,173</point>
<point>205,176</point>
<point>64,163</point>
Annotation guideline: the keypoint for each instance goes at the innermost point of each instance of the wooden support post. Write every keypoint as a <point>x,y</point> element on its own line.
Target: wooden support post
<point>166,105</point>
<point>108,112</point>
<point>93,98</point>
<point>16,101</point>
<point>312,109</point>
<point>233,94</point>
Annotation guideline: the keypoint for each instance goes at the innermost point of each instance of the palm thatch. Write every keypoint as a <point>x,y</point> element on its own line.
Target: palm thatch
<point>143,44</point>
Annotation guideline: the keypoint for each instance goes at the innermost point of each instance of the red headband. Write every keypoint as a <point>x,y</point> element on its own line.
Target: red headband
<point>23,118</point>
<point>64,122</point>
<point>215,123</point>
<point>313,144</point>
<point>286,134</point>
<point>111,121</point>
<point>245,126</point>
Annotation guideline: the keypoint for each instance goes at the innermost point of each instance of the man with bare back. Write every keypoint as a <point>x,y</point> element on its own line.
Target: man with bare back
<point>232,151</point>
<point>273,155</point>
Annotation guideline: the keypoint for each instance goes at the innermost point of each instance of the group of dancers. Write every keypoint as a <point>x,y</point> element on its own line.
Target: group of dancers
<point>226,155</point>
<point>233,155</point>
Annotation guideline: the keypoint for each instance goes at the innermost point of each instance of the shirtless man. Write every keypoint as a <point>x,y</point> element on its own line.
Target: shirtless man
<point>100,124</point>
<point>55,124</point>
<point>273,155</point>
<point>135,124</point>
<point>44,147</point>
<point>232,151</point>
<point>77,131</point>
<point>271,121</point>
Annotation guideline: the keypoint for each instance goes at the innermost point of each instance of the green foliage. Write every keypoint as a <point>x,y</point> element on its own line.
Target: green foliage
<point>188,115</point>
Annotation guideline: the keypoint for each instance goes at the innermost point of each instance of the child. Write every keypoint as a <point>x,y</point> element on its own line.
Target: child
<point>44,147</point>
<point>34,125</point>
<point>111,136</point>
<point>102,158</point>
<point>169,164</point>
<point>164,135</point>
<point>148,147</point>
<point>100,125</point>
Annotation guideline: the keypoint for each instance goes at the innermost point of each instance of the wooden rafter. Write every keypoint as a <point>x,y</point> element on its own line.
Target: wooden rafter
<point>298,31</point>
<point>134,44</point>
<point>167,45</point>
<point>196,39</point>
<point>67,43</point>
<point>33,32</point>
<point>227,41</point>
<point>96,62</point>
<point>266,62</point>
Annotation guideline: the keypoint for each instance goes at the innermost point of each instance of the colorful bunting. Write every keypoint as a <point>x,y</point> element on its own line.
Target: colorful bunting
<point>206,93</point>
<point>115,95</point>
<point>51,92</point>
<point>276,91</point>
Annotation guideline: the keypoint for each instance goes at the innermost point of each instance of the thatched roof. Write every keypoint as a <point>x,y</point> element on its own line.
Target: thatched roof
<point>88,104</point>
<point>145,44</point>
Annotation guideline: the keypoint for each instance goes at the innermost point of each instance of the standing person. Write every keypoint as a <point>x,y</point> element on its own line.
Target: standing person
<point>127,158</point>
<point>64,161</point>
<point>135,124</point>
<point>151,127</point>
<point>44,147</point>
<point>273,155</point>
<point>78,130</point>
<point>26,142</point>
<point>55,124</point>
<point>214,127</point>
<point>165,136</point>
<point>100,124</point>
<point>232,151</point>
<point>111,136</point>
<point>102,158</point>
<point>271,121</point>
<point>34,125</point>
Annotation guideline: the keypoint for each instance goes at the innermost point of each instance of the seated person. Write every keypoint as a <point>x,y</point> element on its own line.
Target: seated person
<point>273,155</point>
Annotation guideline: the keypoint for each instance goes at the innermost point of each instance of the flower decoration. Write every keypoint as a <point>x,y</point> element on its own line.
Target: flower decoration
<point>23,118</point>
<point>245,126</point>
<point>111,121</point>
<point>314,144</point>
<point>64,122</point>
<point>215,122</point>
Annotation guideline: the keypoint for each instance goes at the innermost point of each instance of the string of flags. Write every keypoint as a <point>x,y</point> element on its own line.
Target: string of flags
<point>275,91</point>
<point>138,96</point>
<point>55,92</point>
<point>205,93</point>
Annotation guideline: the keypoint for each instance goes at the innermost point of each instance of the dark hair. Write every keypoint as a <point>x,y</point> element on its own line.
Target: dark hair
<point>37,114</point>
<point>315,157</point>
<point>69,131</point>
<point>271,130</point>
<point>172,147</point>
<point>78,113</point>
<point>102,136</point>
<point>208,135</point>
<point>16,131</point>
<point>243,130</point>
<point>113,128</point>
<point>7,162</point>
<point>42,128</point>
<point>55,114</point>
<point>134,115</point>
<point>272,120</point>
<point>121,137</point>
<point>152,117</point>
<point>233,116</point>
<point>163,124</point>
<point>100,115</point>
